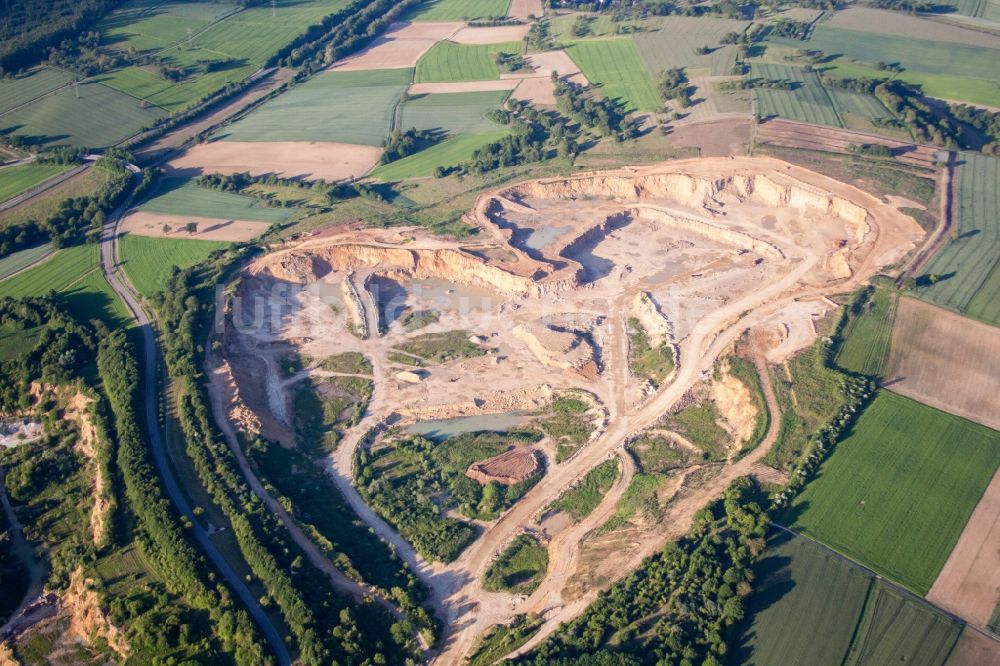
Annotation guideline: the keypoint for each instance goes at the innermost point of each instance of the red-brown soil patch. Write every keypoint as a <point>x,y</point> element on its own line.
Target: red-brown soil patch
<point>511,467</point>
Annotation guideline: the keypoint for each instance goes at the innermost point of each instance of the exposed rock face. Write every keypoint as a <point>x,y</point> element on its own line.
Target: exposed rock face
<point>705,228</point>
<point>657,327</point>
<point>87,619</point>
<point>508,468</point>
<point>732,399</point>
<point>449,264</point>
<point>694,191</point>
<point>565,350</point>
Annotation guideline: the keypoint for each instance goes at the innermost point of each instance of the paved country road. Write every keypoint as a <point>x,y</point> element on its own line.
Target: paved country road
<point>125,291</point>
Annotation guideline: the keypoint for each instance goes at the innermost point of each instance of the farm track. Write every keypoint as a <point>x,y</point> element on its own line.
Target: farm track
<point>796,134</point>
<point>119,283</point>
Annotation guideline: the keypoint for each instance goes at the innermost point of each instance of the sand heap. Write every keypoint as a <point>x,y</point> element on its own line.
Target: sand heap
<point>563,349</point>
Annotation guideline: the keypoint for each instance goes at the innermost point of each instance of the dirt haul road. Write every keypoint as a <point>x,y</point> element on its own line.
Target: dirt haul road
<point>807,262</point>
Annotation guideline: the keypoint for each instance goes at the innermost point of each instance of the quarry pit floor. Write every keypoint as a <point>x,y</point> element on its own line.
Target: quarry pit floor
<point>699,252</point>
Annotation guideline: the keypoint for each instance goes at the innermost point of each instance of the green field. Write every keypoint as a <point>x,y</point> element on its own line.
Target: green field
<point>100,117</point>
<point>520,568</point>
<point>75,274</point>
<point>671,42</point>
<point>349,107</point>
<point>237,41</point>
<point>446,154</point>
<point>17,179</point>
<point>897,629</point>
<point>804,608</point>
<point>178,196</point>
<point>449,61</point>
<point>17,261</point>
<point>812,606</point>
<point>944,69</point>
<point>586,495</point>
<point>460,10</point>
<point>46,204</point>
<point>988,9</point>
<point>897,492</point>
<point>149,261</point>
<point>22,89</point>
<point>869,332</point>
<point>968,265</point>
<point>453,113</point>
<point>807,102</point>
<point>613,65</point>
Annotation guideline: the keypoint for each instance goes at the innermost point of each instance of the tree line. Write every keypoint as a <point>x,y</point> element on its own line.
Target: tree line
<point>77,218</point>
<point>326,625</point>
<point>679,605</point>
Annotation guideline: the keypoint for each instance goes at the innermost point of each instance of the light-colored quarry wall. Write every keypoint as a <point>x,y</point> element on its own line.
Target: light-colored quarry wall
<point>452,265</point>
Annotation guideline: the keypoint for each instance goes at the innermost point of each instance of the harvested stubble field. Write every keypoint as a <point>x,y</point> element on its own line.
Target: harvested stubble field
<point>492,35</point>
<point>946,360</point>
<point>794,134</point>
<point>969,264</point>
<point>460,10</point>
<point>898,491</point>
<point>336,106</point>
<point>401,46</point>
<point>613,65</point>
<point>453,113</point>
<point>22,89</point>
<point>17,179</point>
<point>92,116</point>
<point>449,61</point>
<point>445,154</point>
<point>671,42</point>
<point>328,160</point>
<point>148,262</point>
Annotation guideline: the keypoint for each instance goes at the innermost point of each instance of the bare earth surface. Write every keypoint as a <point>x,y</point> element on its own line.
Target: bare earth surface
<point>462,86</point>
<point>522,9</point>
<point>975,648</point>
<point>492,35</point>
<point>156,150</point>
<point>719,245</point>
<point>969,582</point>
<point>311,159</point>
<point>536,84</point>
<point>946,360</point>
<point>401,46</point>
<point>145,223</point>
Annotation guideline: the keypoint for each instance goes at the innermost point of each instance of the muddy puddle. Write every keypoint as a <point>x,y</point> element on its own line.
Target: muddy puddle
<point>445,428</point>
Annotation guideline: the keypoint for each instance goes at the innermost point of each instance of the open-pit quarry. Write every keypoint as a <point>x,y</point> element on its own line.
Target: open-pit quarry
<point>539,304</point>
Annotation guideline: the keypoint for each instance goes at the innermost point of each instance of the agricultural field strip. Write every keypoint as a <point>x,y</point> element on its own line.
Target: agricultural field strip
<point>614,67</point>
<point>328,107</point>
<point>24,90</point>
<point>808,102</point>
<point>822,616</point>
<point>899,507</point>
<point>967,264</point>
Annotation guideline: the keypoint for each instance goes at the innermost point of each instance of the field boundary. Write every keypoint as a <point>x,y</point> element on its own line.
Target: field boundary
<point>896,587</point>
